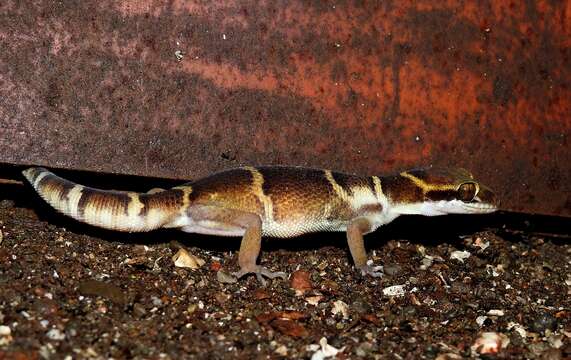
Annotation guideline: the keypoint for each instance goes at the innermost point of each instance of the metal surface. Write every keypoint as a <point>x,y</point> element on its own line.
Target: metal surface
<point>181,89</point>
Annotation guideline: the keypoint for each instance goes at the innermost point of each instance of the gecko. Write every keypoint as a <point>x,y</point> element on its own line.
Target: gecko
<point>273,201</point>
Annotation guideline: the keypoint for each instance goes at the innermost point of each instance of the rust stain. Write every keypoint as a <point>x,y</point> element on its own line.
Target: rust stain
<point>371,87</point>
<point>229,77</point>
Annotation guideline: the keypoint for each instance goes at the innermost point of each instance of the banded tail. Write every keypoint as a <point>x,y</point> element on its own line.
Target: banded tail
<point>110,209</point>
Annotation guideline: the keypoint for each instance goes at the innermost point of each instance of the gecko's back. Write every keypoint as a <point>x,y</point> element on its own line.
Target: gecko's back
<point>290,200</point>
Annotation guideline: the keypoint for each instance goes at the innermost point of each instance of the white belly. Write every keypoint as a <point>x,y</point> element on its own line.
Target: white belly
<point>286,230</point>
<point>271,228</point>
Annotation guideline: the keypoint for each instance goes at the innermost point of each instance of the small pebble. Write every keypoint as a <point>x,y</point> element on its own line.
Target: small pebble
<point>281,350</point>
<point>544,321</point>
<point>409,310</point>
<point>156,301</point>
<point>426,262</point>
<point>330,285</point>
<point>556,341</point>
<point>191,308</point>
<point>360,307</point>
<point>325,350</point>
<point>392,269</point>
<point>496,312</point>
<point>314,300</point>
<point>481,320</point>
<point>460,255</point>
<point>395,290</point>
<point>184,259</point>
<point>261,294</point>
<point>225,278</point>
<point>222,298</point>
<point>339,307</point>
<point>330,322</point>
<point>71,332</point>
<point>364,349</point>
<point>139,310</point>
<point>518,329</point>
<point>5,330</point>
<point>55,334</point>
<point>300,281</point>
<point>490,343</point>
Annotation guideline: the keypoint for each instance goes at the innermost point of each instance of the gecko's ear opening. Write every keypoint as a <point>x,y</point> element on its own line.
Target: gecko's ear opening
<point>467,191</point>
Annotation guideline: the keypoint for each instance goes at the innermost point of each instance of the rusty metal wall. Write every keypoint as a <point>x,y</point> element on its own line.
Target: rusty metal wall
<point>180,89</point>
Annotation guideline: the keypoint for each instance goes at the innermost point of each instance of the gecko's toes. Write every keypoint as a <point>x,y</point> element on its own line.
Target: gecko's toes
<point>370,270</point>
<point>260,272</point>
<point>271,274</point>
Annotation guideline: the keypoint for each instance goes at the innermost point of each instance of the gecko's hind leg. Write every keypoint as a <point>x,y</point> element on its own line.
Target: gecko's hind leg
<point>223,221</point>
<point>249,251</point>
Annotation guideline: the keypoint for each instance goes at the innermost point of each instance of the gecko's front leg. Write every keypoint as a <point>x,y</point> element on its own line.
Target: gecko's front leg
<point>222,221</point>
<point>355,231</point>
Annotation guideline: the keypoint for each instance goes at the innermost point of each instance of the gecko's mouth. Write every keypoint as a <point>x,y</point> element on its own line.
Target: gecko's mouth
<point>461,207</point>
<point>479,208</point>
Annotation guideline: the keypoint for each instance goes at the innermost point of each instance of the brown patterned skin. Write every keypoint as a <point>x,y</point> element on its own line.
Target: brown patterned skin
<point>226,189</point>
<point>272,201</point>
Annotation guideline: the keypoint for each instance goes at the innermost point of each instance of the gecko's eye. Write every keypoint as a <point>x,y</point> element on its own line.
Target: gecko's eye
<point>467,191</point>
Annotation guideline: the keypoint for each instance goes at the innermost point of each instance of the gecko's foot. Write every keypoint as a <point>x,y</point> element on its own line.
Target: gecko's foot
<point>370,270</point>
<point>260,272</point>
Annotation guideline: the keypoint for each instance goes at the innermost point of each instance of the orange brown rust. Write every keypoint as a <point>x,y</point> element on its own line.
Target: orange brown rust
<point>369,89</point>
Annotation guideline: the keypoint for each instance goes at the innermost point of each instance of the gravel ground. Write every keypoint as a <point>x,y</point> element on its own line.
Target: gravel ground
<point>493,286</point>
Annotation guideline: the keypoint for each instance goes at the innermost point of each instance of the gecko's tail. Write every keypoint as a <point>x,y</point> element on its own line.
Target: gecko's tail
<point>110,209</point>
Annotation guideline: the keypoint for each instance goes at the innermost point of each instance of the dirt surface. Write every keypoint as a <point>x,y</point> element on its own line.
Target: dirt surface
<point>72,290</point>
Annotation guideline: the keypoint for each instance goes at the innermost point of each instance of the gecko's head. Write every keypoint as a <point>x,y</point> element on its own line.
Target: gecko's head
<point>439,191</point>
